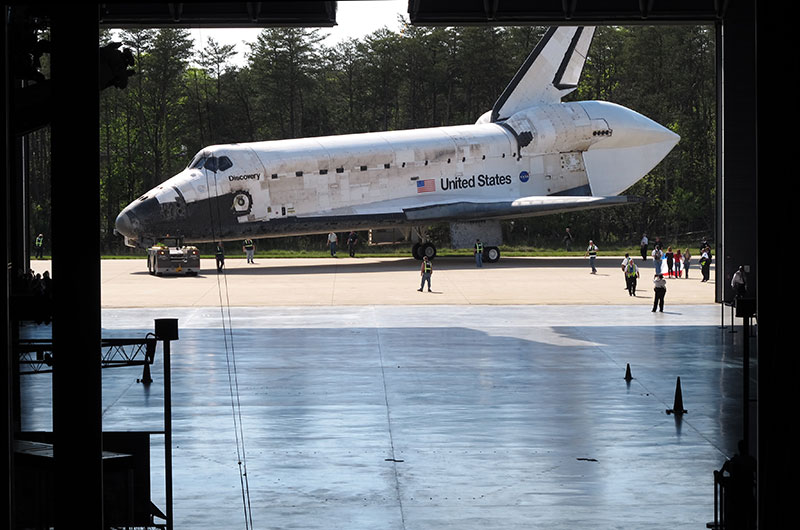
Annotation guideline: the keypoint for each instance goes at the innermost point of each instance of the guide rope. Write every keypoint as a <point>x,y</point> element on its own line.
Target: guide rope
<point>230,355</point>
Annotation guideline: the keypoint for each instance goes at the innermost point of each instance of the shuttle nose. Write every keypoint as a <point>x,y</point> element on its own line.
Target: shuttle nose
<point>142,221</point>
<point>636,145</point>
<point>124,225</point>
<point>135,222</point>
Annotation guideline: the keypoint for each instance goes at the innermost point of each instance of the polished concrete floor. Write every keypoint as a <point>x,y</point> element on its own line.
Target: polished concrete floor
<point>430,417</point>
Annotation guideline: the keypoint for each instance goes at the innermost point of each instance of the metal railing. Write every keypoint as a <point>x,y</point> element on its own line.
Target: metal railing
<point>37,356</point>
<point>734,499</point>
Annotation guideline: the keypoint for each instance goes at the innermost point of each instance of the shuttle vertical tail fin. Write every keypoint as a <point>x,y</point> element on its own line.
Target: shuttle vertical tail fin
<point>549,73</point>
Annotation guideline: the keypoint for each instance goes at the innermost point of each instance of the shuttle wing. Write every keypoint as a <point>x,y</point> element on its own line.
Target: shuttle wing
<point>522,207</point>
<point>549,73</point>
<point>465,208</point>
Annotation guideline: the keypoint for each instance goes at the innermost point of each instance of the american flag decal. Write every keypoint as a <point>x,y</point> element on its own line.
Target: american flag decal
<point>426,185</point>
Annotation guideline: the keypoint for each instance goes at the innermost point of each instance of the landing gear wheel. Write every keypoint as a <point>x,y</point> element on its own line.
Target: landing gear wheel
<point>492,254</point>
<point>415,251</point>
<point>428,249</point>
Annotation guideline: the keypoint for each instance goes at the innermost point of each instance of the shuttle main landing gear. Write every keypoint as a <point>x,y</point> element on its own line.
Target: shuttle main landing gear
<point>468,233</point>
<point>491,254</point>
<point>423,249</point>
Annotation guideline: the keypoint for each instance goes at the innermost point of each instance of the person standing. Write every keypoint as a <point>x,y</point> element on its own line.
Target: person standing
<point>38,246</point>
<point>568,240</point>
<point>249,249</point>
<point>478,251</point>
<point>660,289</point>
<point>643,246</point>
<point>219,254</point>
<point>332,240</point>
<point>678,262</point>
<point>624,266</point>
<point>352,241</point>
<point>687,259</point>
<point>705,263</point>
<point>657,259</point>
<point>739,283</point>
<point>631,277</point>
<point>670,261</point>
<point>591,251</point>
<point>425,271</point>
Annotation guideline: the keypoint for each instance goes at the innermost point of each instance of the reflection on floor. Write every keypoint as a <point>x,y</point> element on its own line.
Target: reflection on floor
<point>468,417</point>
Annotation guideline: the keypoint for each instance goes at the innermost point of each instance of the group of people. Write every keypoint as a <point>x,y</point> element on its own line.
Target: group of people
<point>38,290</point>
<point>248,247</point>
<point>675,264</point>
<point>426,269</point>
<point>631,273</point>
<point>33,283</point>
<point>667,264</point>
<point>352,242</point>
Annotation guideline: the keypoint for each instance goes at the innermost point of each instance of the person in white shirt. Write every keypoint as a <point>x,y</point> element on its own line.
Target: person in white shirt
<point>739,283</point>
<point>705,263</point>
<point>624,264</point>
<point>658,259</point>
<point>332,239</point>
<point>591,251</point>
<point>660,288</point>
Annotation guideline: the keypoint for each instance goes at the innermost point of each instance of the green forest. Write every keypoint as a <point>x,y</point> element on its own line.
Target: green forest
<point>293,84</point>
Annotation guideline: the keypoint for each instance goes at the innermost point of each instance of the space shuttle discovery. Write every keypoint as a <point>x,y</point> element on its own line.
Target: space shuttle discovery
<point>529,155</point>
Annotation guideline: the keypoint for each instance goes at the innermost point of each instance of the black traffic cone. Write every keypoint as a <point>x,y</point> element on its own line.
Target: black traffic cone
<point>677,407</point>
<point>628,375</point>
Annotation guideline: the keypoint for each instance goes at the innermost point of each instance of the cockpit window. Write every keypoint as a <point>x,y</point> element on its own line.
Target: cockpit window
<point>225,163</point>
<point>211,163</point>
<point>197,162</point>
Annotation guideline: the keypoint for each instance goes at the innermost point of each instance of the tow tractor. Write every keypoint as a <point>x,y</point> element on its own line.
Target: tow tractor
<point>170,256</point>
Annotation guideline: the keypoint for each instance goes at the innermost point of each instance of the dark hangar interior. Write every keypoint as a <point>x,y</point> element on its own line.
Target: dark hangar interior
<point>68,102</point>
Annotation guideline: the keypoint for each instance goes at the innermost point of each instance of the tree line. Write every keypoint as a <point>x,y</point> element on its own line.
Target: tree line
<point>293,84</point>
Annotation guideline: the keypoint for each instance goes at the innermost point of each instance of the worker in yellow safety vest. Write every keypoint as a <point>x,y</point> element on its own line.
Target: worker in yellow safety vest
<point>425,271</point>
<point>631,274</point>
<point>38,246</point>
<point>249,248</point>
<point>478,253</point>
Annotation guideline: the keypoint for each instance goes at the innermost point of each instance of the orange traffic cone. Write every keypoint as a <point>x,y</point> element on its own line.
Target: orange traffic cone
<point>677,407</point>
